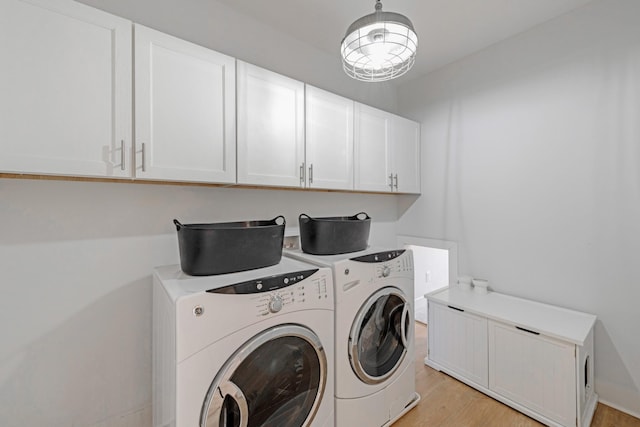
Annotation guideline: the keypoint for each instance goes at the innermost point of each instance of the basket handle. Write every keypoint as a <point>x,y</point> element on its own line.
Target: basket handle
<point>178,225</point>
<point>275,220</point>
<point>304,217</point>
<point>366,217</point>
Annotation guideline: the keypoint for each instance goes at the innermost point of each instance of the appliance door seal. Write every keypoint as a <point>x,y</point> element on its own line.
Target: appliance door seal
<point>277,377</point>
<point>378,340</point>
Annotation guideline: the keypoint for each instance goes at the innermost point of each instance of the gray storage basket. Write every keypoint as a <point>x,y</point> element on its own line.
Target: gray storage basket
<point>334,235</point>
<point>229,247</point>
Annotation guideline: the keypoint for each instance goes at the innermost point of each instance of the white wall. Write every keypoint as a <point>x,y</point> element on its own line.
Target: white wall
<point>531,162</point>
<point>76,257</point>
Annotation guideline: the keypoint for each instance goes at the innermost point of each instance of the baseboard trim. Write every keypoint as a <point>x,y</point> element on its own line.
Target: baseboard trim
<point>618,407</point>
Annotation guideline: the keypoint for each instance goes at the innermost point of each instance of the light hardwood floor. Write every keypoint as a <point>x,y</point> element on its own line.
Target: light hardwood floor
<point>446,402</point>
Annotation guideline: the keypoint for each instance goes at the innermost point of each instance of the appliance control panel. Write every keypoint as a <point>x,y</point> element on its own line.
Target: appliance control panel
<point>380,256</point>
<point>265,284</point>
<point>396,267</point>
<point>376,267</point>
<point>310,293</point>
<point>387,264</point>
<point>286,292</point>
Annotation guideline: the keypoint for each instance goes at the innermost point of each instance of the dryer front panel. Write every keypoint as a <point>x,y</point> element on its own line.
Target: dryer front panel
<point>380,336</point>
<point>276,379</point>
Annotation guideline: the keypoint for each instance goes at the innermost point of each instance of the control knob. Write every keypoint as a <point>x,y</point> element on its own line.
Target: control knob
<point>275,304</point>
<point>386,271</point>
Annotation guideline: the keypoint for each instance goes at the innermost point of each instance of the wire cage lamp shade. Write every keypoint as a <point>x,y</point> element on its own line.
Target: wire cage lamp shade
<point>379,46</point>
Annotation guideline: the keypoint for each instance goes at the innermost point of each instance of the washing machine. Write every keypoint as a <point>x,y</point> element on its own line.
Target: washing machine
<point>374,334</point>
<point>253,348</point>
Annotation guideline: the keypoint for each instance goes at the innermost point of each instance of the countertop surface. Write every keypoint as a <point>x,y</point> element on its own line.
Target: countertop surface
<point>558,322</point>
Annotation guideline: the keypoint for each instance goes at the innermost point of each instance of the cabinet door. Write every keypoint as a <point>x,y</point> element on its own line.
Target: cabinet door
<point>458,342</point>
<point>65,107</point>
<point>185,110</point>
<point>329,140</point>
<point>372,149</point>
<point>405,141</point>
<point>270,128</point>
<point>536,371</point>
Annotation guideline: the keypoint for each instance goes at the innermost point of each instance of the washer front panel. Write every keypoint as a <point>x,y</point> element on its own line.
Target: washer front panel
<point>206,330</point>
<point>378,340</point>
<point>276,379</point>
<point>195,375</point>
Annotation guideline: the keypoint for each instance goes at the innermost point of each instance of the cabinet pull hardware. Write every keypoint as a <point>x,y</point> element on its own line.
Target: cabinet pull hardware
<point>391,181</point>
<point>143,159</point>
<point>395,177</point>
<point>302,175</point>
<point>311,174</point>
<point>122,156</point>
<point>527,330</point>
<point>455,308</point>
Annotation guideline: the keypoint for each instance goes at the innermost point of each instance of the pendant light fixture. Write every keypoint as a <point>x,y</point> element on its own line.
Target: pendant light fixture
<point>379,46</point>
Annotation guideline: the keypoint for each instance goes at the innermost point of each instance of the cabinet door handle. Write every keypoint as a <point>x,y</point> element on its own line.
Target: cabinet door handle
<point>391,181</point>
<point>395,178</point>
<point>527,330</point>
<point>311,173</point>
<point>302,175</point>
<point>122,156</point>
<point>455,308</point>
<point>143,158</point>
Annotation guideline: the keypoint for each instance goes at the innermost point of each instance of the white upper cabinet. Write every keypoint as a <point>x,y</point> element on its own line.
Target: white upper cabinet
<point>65,107</point>
<point>329,140</point>
<point>185,110</point>
<point>270,128</point>
<point>405,138</point>
<point>200,116</point>
<point>372,149</point>
<point>387,151</point>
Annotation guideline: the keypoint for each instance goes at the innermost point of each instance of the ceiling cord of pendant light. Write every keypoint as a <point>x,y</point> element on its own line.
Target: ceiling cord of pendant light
<point>379,46</point>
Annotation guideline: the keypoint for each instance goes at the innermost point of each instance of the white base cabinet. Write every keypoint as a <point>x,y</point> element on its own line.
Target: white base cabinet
<point>537,371</point>
<point>459,342</point>
<point>534,357</point>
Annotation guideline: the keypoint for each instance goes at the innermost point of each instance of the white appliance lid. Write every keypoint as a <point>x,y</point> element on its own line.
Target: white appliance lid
<point>177,283</point>
<point>331,260</point>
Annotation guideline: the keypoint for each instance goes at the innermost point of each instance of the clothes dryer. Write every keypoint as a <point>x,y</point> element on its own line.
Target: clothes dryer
<point>253,348</point>
<point>374,334</point>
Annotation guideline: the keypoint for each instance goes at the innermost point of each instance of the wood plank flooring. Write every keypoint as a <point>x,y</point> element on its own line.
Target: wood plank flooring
<point>446,402</point>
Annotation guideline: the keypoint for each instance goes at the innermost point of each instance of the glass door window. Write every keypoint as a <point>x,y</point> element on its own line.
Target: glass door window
<point>276,379</point>
<point>379,336</point>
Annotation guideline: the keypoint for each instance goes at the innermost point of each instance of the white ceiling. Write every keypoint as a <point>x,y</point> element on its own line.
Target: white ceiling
<point>447,29</point>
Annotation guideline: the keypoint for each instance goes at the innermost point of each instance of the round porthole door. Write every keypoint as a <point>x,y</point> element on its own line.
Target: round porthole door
<point>276,379</point>
<point>379,336</point>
